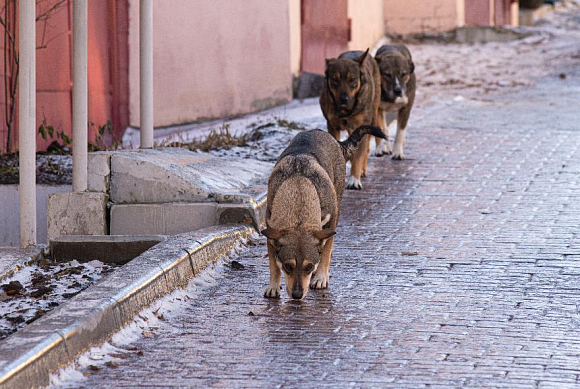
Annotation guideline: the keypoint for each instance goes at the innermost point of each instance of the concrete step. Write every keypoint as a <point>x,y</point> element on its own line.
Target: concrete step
<point>178,175</point>
<point>114,249</point>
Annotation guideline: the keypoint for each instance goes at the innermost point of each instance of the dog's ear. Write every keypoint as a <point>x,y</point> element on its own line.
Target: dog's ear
<point>362,58</point>
<point>328,61</point>
<point>324,234</point>
<point>412,66</point>
<point>271,233</point>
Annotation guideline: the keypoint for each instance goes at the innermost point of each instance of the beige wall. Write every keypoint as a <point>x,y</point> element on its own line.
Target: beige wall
<point>409,16</point>
<point>514,14</point>
<point>367,23</point>
<point>295,35</point>
<point>213,59</point>
<point>460,6</point>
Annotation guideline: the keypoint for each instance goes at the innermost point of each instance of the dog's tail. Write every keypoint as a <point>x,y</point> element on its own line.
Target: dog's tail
<point>350,145</point>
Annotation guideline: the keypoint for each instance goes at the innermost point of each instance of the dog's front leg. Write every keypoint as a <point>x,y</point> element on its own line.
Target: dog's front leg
<point>382,146</point>
<point>320,278</point>
<point>398,153</point>
<point>402,121</point>
<point>274,288</point>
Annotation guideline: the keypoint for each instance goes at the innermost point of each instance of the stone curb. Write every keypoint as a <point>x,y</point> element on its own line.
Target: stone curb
<point>29,356</point>
<point>35,256</point>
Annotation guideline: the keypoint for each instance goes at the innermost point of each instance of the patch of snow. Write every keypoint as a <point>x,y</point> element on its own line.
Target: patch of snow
<point>44,287</point>
<point>301,111</point>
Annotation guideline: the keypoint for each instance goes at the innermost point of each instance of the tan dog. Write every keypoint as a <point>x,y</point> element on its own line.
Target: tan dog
<point>398,85</point>
<point>304,194</point>
<point>350,98</point>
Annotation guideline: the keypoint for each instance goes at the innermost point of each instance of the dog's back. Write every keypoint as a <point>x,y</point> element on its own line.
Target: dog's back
<point>353,55</point>
<point>318,157</point>
<point>394,49</point>
<point>327,152</point>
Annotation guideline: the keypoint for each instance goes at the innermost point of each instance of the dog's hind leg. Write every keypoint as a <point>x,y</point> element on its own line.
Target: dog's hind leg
<point>274,288</point>
<point>320,279</point>
<point>382,146</point>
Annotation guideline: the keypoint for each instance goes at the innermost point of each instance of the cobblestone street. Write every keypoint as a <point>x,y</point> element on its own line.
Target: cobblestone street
<point>459,267</point>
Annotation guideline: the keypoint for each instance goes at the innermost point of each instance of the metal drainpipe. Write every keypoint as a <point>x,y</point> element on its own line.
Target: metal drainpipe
<point>80,96</point>
<point>146,71</point>
<point>27,123</point>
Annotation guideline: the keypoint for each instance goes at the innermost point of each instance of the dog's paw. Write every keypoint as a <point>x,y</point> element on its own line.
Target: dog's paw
<point>319,281</point>
<point>399,156</point>
<point>273,291</point>
<point>383,149</point>
<point>353,183</point>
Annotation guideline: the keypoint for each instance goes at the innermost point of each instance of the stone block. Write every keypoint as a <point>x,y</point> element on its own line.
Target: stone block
<point>164,219</point>
<point>167,175</point>
<point>184,217</point>
<point>99,172</point>
<point>82,213</point>
<point>136,219</point>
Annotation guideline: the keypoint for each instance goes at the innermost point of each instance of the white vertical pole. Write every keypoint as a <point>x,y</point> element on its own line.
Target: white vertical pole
<point>146,71</point>
<point>27,122</point>
<point>80,96</point>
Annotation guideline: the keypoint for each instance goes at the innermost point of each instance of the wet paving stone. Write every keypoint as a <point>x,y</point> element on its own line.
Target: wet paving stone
<point>456,268</point>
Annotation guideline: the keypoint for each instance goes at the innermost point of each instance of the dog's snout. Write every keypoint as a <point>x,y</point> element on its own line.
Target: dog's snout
<point>297,294</point>
<point>343,98</point>
<point>398,90</point>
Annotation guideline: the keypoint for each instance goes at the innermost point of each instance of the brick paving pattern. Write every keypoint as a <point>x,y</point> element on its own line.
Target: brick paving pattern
<point>459,267</point>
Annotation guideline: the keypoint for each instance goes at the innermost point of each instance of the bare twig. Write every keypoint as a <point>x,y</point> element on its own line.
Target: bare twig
<point>11,58</point>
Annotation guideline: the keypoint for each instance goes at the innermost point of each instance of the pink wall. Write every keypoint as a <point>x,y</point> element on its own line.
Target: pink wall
<point>412,16</point>
<point>325,32</point>
<point>213,59</point>
<point>477,12</point>
<point>490,12</point>
<point>53,71</point>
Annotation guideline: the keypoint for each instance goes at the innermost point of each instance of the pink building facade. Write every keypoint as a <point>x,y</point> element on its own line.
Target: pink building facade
<point>214,59</point>
<point>416,16</point>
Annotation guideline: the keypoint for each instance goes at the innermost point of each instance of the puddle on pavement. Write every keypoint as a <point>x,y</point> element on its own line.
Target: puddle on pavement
<point>37,289</point>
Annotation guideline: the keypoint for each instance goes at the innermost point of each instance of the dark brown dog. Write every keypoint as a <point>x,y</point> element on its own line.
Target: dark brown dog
<point>302,212</point>
<point>350,98</point>
<point>398,85</point>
